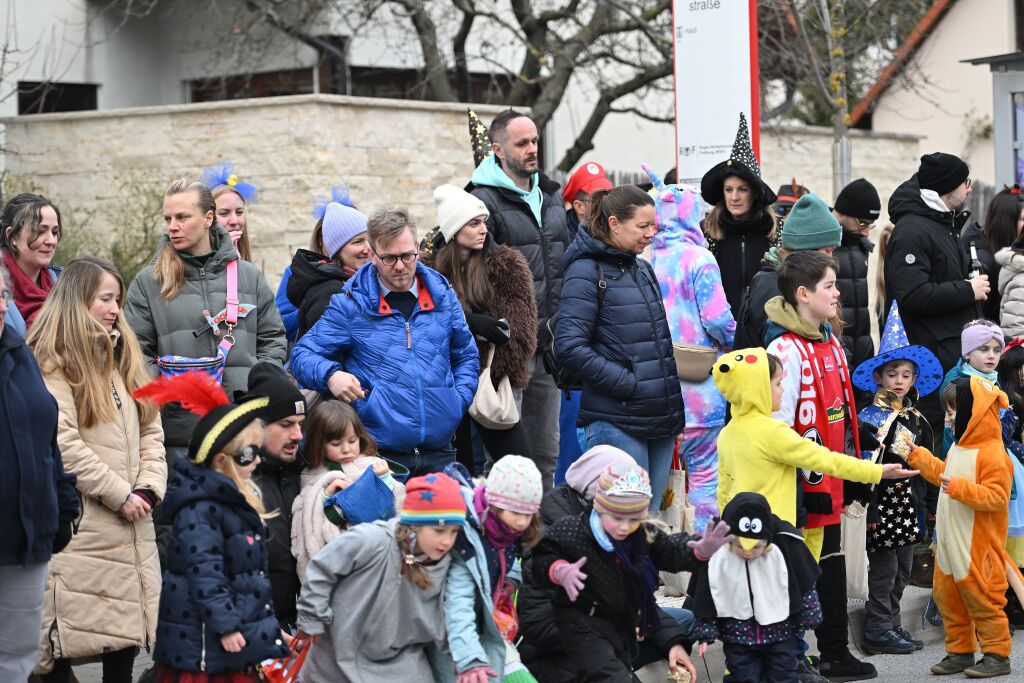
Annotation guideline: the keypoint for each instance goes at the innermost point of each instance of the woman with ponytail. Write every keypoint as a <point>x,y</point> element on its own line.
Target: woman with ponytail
<point>612,332</point>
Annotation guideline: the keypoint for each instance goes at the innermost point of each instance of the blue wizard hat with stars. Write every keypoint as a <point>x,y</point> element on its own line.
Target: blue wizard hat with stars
<point>896,347</point>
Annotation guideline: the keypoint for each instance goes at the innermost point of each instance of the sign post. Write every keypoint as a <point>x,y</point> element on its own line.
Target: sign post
<point>716,78</point>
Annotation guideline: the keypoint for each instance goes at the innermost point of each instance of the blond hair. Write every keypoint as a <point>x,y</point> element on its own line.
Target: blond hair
<point>169,269</point>
<point>713,227</point>
<point>405,536</point>
<point>225,464</point>
<point>244,250</point>
<point>66,338</point>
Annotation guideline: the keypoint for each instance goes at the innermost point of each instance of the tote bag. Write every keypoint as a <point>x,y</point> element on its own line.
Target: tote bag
<point>494,408</point>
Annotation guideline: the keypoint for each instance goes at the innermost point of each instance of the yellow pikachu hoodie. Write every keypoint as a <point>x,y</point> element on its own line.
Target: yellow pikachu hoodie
<point>760,454</point>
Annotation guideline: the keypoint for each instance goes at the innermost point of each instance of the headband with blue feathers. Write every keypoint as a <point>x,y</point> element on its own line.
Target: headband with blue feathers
<point>339,194</point>
<point>223,173</point>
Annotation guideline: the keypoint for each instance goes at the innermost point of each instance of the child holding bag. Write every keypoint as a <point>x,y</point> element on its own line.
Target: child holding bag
<point>338,452</point>
<point>479,604</point>
<point>372,600</point>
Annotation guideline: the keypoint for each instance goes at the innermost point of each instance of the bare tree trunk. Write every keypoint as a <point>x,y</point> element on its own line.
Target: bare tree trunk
<point>842,152</point>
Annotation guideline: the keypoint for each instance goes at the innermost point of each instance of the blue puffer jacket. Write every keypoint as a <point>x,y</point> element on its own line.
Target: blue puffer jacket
<point>36,495</point>
<point>622,349</point>
<point>420,376</point>
<point>215,577</point>
<point>289,312</point>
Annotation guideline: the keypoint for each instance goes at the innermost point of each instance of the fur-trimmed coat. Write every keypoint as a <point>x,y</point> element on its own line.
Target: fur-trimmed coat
<point>514,300</point>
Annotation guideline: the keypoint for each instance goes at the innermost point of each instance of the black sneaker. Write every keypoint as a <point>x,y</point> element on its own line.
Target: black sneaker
<point>807,673</point>
<point>905,634</point>
<point>846,668</point>
<point>888,643</point>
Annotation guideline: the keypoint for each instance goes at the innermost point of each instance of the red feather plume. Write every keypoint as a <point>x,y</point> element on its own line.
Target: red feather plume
<point>194,390</point>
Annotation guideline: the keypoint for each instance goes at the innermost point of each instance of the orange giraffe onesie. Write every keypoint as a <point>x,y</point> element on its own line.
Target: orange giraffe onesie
<point>972,569</point>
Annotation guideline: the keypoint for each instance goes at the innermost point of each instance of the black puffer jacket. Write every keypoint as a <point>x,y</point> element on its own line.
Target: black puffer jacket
<point>541,647</point>
<point>973,232</point>
<point>852,281</point>
<point>315,279</point>
<point>926,273</point>
<point>752,321</point>
<point>511,222</point>
<point>279,482</point>
<point>605,609</point>
<point>622,348</point>
<point>740,251</point>
<point>215,578</point>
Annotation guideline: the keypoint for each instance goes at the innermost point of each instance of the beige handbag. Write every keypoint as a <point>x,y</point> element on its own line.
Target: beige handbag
<point>493,408</point>
<point>693,363</point>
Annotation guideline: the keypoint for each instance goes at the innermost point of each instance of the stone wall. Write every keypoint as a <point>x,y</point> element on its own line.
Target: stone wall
<point>293,149</point>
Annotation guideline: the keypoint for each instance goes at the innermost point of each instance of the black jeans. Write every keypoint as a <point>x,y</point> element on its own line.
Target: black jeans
<point>832,634</point>
<point>756,663</point>
<point>498,442</point>
<point>117,667</point>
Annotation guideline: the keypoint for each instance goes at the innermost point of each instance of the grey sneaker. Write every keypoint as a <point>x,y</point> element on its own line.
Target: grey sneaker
<point>953,664</point>
<point>807,673</point>
<point>990,665</point>
<point>918,644</point>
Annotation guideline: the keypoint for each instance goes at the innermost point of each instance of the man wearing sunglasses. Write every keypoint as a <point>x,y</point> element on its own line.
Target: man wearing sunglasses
<point>395,344</point>
<point>856,208</point>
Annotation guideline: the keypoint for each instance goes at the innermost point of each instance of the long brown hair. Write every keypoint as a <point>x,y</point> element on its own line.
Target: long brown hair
<point>883,246</point>
<point>328,421</point>
<point>713,226</point>
<point>67,339</point>
<point>23,212</point>
<point>169,269</point>
<point>243,248</point>
<point>468,278</point>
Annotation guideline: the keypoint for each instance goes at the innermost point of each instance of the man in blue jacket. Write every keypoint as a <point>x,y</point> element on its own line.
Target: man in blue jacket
<point>395,344</point>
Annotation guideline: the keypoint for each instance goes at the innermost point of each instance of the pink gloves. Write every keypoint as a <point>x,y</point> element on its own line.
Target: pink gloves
<point>478,674</point>
<point>568,576</point>
<point>715,536</point>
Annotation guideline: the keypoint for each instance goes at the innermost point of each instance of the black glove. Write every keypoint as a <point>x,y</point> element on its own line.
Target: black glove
<point>488,328</point>
<point>63,537</point>
<point>869,437</point>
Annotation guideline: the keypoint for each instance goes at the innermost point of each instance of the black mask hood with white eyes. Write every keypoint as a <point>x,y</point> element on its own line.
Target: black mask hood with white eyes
<point>750,516</point>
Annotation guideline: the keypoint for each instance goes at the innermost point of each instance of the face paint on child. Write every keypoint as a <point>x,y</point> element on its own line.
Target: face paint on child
<point>986,357</point>
<point>436,541</point>
<point>619,528</point>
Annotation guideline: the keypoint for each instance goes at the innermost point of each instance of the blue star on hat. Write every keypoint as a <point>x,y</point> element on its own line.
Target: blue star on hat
<point>896,346</point>
<point>427,496</point>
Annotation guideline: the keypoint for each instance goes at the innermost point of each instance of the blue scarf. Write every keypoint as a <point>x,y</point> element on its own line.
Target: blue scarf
<point>642,574</point>
<point>969,370</point>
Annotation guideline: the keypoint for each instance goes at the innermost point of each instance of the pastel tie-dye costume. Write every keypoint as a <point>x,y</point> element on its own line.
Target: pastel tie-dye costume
<point>698,314</point>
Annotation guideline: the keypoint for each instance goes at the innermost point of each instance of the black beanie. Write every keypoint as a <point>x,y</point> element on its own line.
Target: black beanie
<point>941,172</point>
<point>859,199</point>
<point>270,380</point>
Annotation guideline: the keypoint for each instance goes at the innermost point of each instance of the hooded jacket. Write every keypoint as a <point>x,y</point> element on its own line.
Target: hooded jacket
<point>314,280</point>
<point>926,273</point>
<point>165,327</point>
<point>36,495</point>
<point>110,560</point>
<point>533,223</point>
<point>622,348</point>
<point>697,311</point>
<point>761,454</point>
<point>852,282</point>
<point>215,579</point>
<point>1011,289</point>
<point>972,517</point>
<point>420,374</point>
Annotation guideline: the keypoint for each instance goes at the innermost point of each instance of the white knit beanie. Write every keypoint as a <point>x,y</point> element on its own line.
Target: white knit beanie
<point>455,208</point>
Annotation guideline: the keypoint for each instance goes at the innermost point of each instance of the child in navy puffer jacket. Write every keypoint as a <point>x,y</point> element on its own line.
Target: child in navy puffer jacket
<point>216,605</point>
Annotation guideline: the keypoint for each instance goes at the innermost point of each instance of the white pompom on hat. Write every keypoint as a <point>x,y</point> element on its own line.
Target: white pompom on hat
<point>455,208</point>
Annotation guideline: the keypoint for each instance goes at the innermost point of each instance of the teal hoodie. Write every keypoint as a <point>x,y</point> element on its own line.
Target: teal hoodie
<point>489,173</point>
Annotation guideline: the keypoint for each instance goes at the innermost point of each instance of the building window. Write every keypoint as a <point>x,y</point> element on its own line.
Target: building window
<point>47,98</point>
<point>266,84</point>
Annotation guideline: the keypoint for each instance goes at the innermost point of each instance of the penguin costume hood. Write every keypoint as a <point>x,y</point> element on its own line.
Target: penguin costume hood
<point>769,588</point>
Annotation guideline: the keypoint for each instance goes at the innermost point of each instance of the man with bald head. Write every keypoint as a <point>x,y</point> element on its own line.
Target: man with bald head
<point>527,214</point>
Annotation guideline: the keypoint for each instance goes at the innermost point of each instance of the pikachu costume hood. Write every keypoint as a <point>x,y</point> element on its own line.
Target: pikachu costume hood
<point>760,454</point>
<point>972,568</point>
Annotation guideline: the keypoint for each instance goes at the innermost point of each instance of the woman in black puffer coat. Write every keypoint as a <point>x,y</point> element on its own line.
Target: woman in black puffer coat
<point>612,333</point>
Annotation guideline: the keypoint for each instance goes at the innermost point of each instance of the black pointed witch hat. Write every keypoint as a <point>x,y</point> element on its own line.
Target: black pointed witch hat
<point>741,163</point>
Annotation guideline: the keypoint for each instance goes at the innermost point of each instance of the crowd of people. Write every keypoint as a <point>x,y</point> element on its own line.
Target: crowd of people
<point>447,459</point>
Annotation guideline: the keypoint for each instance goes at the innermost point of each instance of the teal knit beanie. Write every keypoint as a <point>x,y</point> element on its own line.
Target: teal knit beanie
<point>810,225</point>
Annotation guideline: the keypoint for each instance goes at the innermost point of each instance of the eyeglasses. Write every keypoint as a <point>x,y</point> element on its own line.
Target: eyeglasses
<point>390,260</point>
<point>6,296</point>
<point>864,223</point>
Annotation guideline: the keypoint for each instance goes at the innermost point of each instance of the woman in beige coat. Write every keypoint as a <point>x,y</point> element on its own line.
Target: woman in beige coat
<point>103,592</point>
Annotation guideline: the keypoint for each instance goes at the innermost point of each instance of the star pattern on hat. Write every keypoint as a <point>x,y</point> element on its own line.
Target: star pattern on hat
<point>895,345</point>
<point>478,138</point>
<point>742,151</point>
<point>427,496</point>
